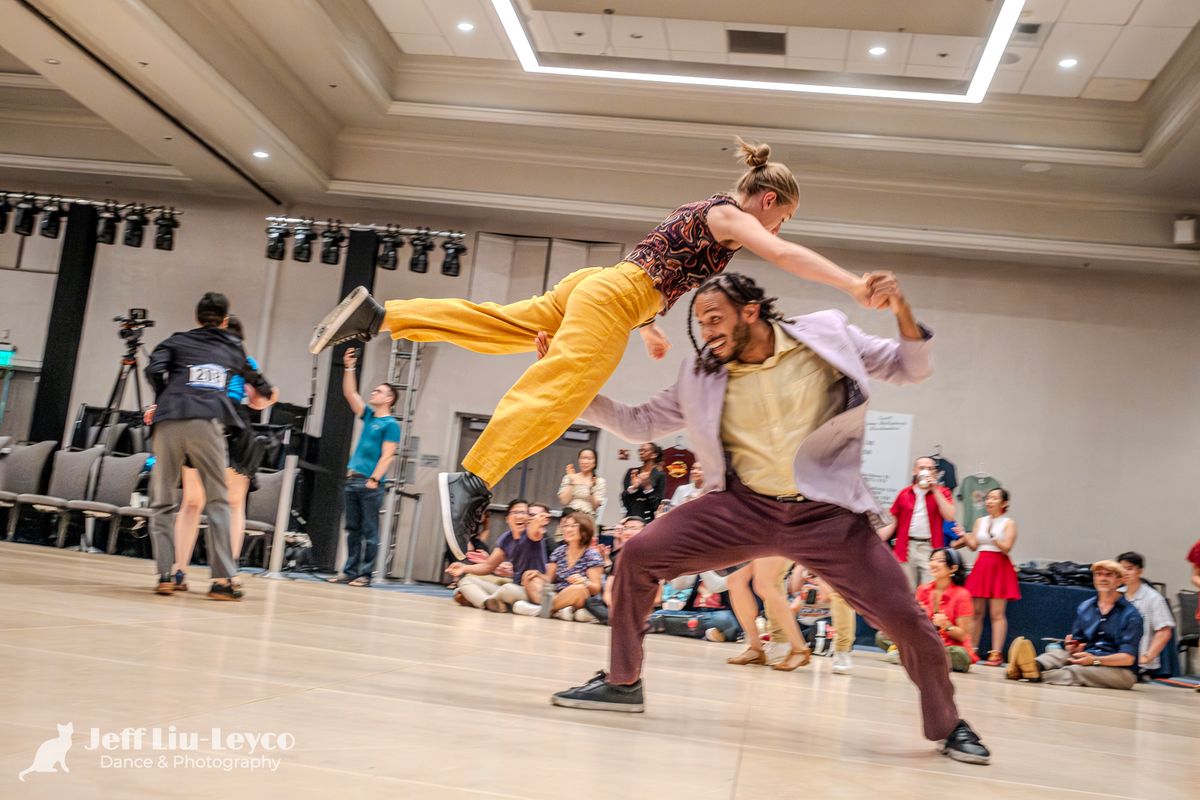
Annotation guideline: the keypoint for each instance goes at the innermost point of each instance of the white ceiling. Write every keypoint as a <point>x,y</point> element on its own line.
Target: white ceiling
<point>1120,45</point>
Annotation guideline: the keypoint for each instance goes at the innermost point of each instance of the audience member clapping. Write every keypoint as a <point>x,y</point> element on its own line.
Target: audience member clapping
<point>581,488</point>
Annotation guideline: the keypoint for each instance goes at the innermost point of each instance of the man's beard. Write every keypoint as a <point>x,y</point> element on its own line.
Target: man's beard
<point>737,343</point>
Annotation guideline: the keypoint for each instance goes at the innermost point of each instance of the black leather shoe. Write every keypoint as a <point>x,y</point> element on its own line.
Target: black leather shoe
<point>224,591</point>
<point>465,499</point>
<point>357,318</point>
<point>600,695</point>
<point>963,745</point>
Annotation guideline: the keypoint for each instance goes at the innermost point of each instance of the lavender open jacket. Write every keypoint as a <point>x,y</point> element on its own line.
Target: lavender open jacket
<point>828,464</point>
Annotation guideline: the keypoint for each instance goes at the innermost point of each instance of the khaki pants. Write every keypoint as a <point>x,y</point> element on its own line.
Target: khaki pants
<point>478,588</point>
<point>844,622</point>
<point>1057,671</point>
<point>916,569</point>
<point>589,314</point>
<point>774,628</point>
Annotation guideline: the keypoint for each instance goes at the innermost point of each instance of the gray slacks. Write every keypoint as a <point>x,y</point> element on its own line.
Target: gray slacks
<point>202,442</point>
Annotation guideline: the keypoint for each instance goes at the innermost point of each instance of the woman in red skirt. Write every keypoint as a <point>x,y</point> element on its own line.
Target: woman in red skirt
<point>993,579</point>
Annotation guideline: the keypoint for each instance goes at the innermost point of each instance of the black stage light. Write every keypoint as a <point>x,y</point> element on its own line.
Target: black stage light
<point>5,208</point>
<point>135,227</point>
<point>164,230</point>
<point>52,216</point>
<point>422,243</point>
<point>389,240</point>
<point>454,248</point>
<point>106,224</point>
<point>331,242</point>
<point>27,211</point>
<point>302,242</point>
<point>277,235</point>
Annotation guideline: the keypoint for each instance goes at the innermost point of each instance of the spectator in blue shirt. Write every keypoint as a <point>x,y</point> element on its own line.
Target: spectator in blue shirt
<point>1101,650</point>
<point>368,467</point>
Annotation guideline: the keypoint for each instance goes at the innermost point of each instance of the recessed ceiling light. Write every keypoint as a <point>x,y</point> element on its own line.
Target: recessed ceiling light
<point>1036,166</point>
<point>466,27</point>
<point>54,61</point>
<point>877,51</point>
<point>1067,63</point>
<point>261,154</point>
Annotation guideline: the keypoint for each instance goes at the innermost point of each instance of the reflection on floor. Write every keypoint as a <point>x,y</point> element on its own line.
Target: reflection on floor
<point>346,692</point>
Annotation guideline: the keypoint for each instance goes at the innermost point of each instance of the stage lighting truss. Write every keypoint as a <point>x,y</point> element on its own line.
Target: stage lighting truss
<point>25,207</point>
<point>332,235</point>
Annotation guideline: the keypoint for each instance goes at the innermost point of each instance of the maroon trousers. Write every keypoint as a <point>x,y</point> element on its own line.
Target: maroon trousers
<point>724,528</point>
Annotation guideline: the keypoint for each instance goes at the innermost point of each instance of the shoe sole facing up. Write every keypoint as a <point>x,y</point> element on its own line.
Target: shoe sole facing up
<point>447,521</point>
<point>966,758</point>
<point>334,319</point>
<point>595,705</point>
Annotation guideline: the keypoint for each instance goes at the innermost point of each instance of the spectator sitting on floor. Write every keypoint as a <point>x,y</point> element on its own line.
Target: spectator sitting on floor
<point>702,610</point>
<point>599,604</point>
<point>1101,650</point>
<point>1158,623</point>
<point>949,607</point>
<point>574,569</point>
<point>478,581</point>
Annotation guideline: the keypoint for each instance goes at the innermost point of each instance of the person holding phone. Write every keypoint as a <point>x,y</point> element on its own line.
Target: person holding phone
<point>919,511</point>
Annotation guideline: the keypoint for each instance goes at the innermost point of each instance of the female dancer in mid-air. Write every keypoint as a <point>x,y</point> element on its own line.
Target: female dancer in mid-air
<point>589,315</point>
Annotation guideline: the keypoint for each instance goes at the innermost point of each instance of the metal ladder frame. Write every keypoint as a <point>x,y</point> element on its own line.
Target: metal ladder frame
<point>405,358</point>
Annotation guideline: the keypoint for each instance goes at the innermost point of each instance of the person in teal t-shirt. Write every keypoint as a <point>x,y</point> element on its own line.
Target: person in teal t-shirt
<point>367,468</point>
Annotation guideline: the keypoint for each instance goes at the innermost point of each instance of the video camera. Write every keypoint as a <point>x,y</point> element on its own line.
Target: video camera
<point>133,324</point>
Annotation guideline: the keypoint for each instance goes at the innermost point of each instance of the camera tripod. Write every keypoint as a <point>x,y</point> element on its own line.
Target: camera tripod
<point>112,409</point>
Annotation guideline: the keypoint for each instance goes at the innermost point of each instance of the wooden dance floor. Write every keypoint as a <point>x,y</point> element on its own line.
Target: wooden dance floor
<point>405,696</point>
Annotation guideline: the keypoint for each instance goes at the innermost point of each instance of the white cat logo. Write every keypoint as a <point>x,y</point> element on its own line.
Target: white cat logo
<point>52,753</point>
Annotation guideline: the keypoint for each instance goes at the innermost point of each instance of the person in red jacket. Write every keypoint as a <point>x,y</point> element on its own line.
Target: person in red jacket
<point>917,526</point>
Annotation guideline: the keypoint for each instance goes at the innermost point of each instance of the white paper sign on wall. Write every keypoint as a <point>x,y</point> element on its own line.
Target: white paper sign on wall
<point>887,466</point>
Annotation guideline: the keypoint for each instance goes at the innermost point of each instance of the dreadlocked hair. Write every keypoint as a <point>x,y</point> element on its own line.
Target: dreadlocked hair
<point>741,291</point>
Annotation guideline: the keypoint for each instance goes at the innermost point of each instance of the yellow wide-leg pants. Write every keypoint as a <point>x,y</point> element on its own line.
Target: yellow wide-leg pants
<point>589,314</point>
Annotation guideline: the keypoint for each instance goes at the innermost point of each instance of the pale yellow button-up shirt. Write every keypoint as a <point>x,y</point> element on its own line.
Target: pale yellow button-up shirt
<point>770,408</point>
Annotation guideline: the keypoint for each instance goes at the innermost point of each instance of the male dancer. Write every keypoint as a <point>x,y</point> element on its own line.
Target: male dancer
<point>787,399</point>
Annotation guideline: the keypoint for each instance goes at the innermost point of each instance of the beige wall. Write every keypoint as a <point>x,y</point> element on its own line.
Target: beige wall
<point>1075,389</point>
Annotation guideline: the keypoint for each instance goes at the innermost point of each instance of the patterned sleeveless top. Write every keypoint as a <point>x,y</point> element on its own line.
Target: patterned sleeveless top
<point>681,252</point>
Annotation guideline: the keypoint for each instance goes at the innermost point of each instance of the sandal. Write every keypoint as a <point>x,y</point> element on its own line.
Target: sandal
<point>749,656</point>
<point>362,580</point>
<point>994,659</point>
<point>794,660</point>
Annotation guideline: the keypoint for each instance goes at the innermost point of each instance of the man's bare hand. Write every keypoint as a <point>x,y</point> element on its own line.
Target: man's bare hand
<point>541,343</point>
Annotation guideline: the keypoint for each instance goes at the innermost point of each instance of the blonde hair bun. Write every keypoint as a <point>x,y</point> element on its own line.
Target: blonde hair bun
<point>753,155</point>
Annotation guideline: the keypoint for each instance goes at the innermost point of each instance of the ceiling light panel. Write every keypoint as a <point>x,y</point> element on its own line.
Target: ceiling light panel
<point>1100,12</point>
<point>1086,43</point>
<point>1167,13</point>
<point>514,25</point>
<point>943,51</point>
<point>1141,52</point>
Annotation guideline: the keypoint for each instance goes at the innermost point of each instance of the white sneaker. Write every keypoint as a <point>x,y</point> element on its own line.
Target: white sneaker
<point>714,635</point>
<point>526,609</point>
<point>777,651</point>
<point>583,615</point>
<point>842,663</point>
<point>565,614</point>
<point>892,656</point>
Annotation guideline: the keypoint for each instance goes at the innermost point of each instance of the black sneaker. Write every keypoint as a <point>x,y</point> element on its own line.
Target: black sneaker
<point>963,745</point>
<point>465,499</point>
<point>600,695</point>
<point>358,317</point>
<point>224,591</point>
